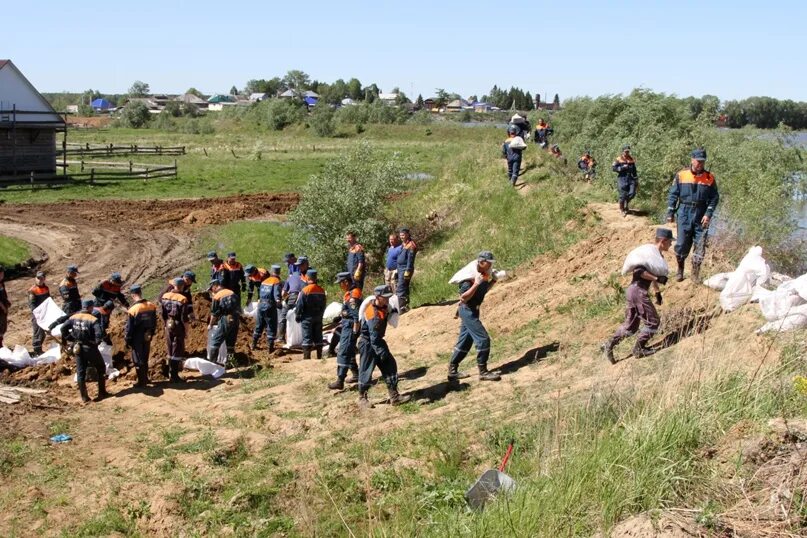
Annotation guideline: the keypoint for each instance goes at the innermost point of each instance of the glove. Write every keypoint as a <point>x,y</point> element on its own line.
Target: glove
<point>357,275</point>
<point>661,279</point>
<point>407,275</point>
<point>670,217</point>
<point>658,298</point>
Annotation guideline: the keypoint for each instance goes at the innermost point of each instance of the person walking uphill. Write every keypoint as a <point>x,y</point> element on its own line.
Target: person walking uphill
<point>110,290</point>
<point>308,311</point>
<point>512,149</point>
<point>81,334</point>
<point>140,326</point>
<point>356,265</point>
<point>176,312</point>
<point>374,351</point>
<point>640,309</point>
<point>406,268</point>
<point>694,195</point>
<point>5,304</point>
<point>627,179</point>
<point>391,265</point>
<point>225,318</point>
<point>349,332</point>
<point>269,298</point>
<point>37,294</point>
<point>472,295</point>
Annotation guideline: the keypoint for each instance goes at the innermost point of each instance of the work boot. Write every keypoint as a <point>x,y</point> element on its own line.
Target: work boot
<point>354,377</point>
<point>364,402</point>
<point>639,350</point>
<point>173,366</point>
<point>271,346</point>
<point>339,384</point>
<point>306,354</point>
<point>679,274</point>
<point>38,351</point>
<point>82,390</point>
<point>622,207</point>
<point>319,353</point>
<point>395,397</point>
<point>454,374</point>
<point>487,375</point>
<point>142,377</point>
<point>102,393</point>
<point>254,345</point>
<point>696,272</point>
<point>608,349</point>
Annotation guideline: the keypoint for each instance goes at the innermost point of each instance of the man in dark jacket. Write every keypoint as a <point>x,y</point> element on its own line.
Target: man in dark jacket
<point>225,318</point>
<point>627,179</point>
<point>406,268</point>
<point>308,312</point>
<point>37,294</point>
<point>110,290</point>
<point>81,334</point>
<point>141,323</point>
<point>349,332</point>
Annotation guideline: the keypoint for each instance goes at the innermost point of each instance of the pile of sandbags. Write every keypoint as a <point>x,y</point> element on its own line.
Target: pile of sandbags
<point>743,283</point>
<point>785,308</point>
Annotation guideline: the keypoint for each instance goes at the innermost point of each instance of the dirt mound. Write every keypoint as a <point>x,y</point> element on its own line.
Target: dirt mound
<point>94,122</point>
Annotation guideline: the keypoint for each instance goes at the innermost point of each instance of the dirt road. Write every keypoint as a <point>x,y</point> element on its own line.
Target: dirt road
<point>142,240</point>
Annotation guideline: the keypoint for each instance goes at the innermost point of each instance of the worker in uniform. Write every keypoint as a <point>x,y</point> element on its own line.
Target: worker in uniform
<point>255,276</point>
<point>512,154</point>
<point>103,313</point>
<point>694,195</point>
<point>587,165</point>
<point>234,278</point>
<point>291,291</point>
<point>391,265</point>
<point>374,351</point>
<point>356,264</point>
<point>291,260</point>
<point>110,290</point>
<point>308,312</point>
<point>68,291</point>
<point>141,323</point>
<point>541,132</point>
<point>640,309</point>
<point>627,179</point>
<point>176,314</point>
<point>349,332</point>
<point>37,294</point>
<point>216,266</point>
<point>81,334</point>
<point>188,279</point>
<point>472,332</point>
<point>225,318</point>
<point>406,268</point>
<point>269,298</point>
<point>5,304</point>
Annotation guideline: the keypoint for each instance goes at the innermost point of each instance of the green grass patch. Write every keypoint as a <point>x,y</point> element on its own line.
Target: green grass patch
<point>13,251</point>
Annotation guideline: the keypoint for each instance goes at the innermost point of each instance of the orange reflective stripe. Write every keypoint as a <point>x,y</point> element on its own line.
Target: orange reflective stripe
<point>39,290</point>
<point>174,296</point>
<point>271,281</point>
<point>355,293</point>
<point>221,294</point>
<point>704,178</point>
<point>313,288</point>
<point>84,316</point>
<point>145,306</point>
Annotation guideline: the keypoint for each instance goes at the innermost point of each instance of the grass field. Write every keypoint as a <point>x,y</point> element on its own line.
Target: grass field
<point>12,251</point>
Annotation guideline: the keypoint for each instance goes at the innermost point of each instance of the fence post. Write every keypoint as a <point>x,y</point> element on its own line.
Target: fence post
<point>32,178</point>
<point>130,167</point>
<point>92,176</point>
<point>82,164</point>
<point>175,168</point>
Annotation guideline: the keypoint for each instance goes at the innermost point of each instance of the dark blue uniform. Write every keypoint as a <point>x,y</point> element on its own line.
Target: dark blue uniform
<point>36,296</point>
<point>225,310</point>
<point>349,329</point>
<point>374,351</point>
<point>85,330</point>
<point>71,299</point>
<point>308,311</point>
<point>513,156</point>
<point>176,312</point>
<point>627,179</point>
<point>291,291</point>
<point>406,268</point>
<point>472,332</point>
<point>140,326</point>
<point>234,278</point>
<point>694,196</point>
<point>269,295</point>
<point>107,290</point>
<point>356,265</point>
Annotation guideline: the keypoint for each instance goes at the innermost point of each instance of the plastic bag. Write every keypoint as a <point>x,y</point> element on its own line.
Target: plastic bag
<point>294,331</point>
<point>57,331</point>
<point>222,358</point>
<point>647,256</point>
<point>53,354</point>
<point>753,271</point>
<point>333,311</point>
<point>392,309</point>
<point>718,281</point>
<point>106,354</point>
<point>517,143</point>
<point>204,367</point>
<point>18,357</point>
<point>47,313</point>
<point>469,272</point>
<point>251,310</point>
<point>797,319</point>
<point>798,285</point>
<point>779,303</point>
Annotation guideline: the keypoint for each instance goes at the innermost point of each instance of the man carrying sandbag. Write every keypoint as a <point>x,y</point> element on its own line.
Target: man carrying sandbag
<point>37,294</point>
<point>640,309</point>
<point>694,195</point>
<point>269,294</point>
<point>472,332</point>
<point>512,149</point>
<point>348,332</point>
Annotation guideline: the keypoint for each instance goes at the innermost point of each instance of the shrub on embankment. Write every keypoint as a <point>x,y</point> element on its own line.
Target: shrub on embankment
<point>757,175</point>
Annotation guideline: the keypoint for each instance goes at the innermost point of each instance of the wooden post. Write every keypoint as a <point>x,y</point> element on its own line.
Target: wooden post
<point>183,150</point>
<point>32,178</point>
<point>130,167</point>
<point>205,150</point>
<point>92,176</point>
<point>82,164</point>
<point>233,152</point>
<point>175,168</point>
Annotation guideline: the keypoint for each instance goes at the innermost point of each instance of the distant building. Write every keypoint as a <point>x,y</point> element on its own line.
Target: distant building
<point>388,98</point>
<point>291,93</point>
<point>258,97</point>
<point>456,105</point>
<point>28,126</point>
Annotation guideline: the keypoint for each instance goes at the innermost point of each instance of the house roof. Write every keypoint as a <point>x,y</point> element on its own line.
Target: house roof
<point>388,96</point>
<point>43,112</point>
<point>257,95</point>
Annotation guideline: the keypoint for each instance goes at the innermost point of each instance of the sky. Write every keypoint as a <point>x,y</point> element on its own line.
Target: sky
<point>732,49</point>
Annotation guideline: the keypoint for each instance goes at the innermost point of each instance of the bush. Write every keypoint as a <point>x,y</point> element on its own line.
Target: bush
<point>135,115</point>
<point>322,120</point>
<point>421,117</point>
<point>172,108</point>
<point>280,113</point>
<point>165,122</point>
<point>197,126</point>
<point>349,194</point>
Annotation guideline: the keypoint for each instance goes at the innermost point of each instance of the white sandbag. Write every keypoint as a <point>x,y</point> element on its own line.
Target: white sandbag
<point>205,367</point>
<point>294,331</point>
<point>779,303</point>
<point>251,310</point>
<point>106,354</point>
<point>797,319</point>
<point>53,354</point>
<point>5,353</point>
<point>468,272</point>
<point>647,256</point>
<point>392,309</point>
<point>18,357</point>
<point>758,294</point>
<point>47,313</point>
<point>718,281</point>
<point>222,358</point>
<point>753,271</point>
<point>332,311</point>
<point>56,332</point>
<point>517,143</point>
<point>798,285</point>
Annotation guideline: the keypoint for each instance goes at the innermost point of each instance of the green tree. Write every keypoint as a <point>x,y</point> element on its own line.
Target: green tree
<point>322,120</point>
<point>233,91</point>
<point>441,97</point>
<point>280,113</point>
<point>556,102</point>
<point>297,81</point>
<point>354,89</point>
<point>348,194</point>
<point>194,91</point>
<point>136,115</point>
<point>139,89</point>
<point>172,108</point>
<point>419,103</point>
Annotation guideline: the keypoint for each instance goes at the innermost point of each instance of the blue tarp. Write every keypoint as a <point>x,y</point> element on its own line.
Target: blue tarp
<point>310,101</point>
<point>101,104</point>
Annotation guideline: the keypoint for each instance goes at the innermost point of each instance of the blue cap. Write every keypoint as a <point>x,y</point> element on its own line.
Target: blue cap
<point>276,269</point>
<point>72,268</point>
<point>136,288</point>
<point>301,260</point>
<point>342,277</point>
<point>311,273</point>
<point>626,147</point>
<point>190,275</point>
<point>40,274</point>
<point>249,269</point>
<point>485,256</point>
<point>212,255</point>
<point>382,291</point>
<point>87,303</point>
<point>699,154</point>
<point>109,305</point>
<point>214,282</point>
<point>178,282</point>
<point>116,278</point>
<point>664,233</point>
<point>231,254</point>
<point>287,256</point>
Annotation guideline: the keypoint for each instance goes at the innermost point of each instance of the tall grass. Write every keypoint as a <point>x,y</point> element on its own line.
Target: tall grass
<point>13,251</point>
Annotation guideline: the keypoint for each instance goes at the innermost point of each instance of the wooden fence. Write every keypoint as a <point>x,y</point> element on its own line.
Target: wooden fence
<point>109,150</point>
<point>91,172</point>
